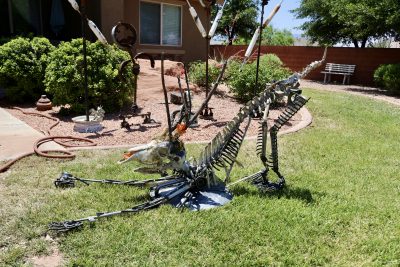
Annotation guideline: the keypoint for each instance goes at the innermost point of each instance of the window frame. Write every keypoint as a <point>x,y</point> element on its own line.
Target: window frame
<point>161,23</point>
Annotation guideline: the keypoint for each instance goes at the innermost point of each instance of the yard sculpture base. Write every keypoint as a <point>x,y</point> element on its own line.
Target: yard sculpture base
<point>193,184</point>
<point>93,125</point>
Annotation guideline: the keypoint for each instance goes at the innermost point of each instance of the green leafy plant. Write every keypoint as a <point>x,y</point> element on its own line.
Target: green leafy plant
<point>22,67</point>
<point>197,73</point>
<point>388,76</point>
<point>354,22</point>
<point>64,76</point>
<point>239,19</point>
<point>241,81</point>
<point>271,36</point>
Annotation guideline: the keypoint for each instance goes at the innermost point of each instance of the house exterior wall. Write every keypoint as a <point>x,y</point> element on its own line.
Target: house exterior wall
<point>193,45</point>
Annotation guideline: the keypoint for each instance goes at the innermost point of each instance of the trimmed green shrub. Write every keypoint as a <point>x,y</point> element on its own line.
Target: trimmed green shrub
<point>388,77</point>
<point>197,73</point>
<point>242,81</point>
<point>64,76</point>
<point>22,67</point>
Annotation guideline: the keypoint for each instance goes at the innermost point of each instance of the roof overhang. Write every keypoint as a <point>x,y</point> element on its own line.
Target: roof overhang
<point>220,2</point>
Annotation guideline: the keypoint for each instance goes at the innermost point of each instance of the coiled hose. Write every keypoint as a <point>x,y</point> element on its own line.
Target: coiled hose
<point>60,154</point>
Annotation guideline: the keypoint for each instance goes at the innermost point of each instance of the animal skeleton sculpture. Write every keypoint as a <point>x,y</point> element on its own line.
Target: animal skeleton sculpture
<point>193,184</point>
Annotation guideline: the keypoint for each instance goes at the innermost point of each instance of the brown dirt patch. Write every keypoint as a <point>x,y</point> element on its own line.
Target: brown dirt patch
<point>53,260</point>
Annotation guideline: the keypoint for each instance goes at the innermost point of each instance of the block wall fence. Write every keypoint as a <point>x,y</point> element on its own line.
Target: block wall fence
<point>297,57</point>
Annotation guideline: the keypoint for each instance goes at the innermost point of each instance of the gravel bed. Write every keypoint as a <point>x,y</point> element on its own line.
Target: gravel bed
<point>225,108</point>
<point>150,99</point>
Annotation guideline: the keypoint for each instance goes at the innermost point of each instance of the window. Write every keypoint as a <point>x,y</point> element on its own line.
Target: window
<point>160,24</point>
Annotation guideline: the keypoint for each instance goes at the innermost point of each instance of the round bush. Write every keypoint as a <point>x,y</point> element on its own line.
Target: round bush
<point>64,76</point>
<point>22,67</point>
<point>241,81</point>
<point>388,77</point>
<point>197,73</point>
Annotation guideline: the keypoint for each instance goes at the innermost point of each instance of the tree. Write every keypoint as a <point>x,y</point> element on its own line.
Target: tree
<point>349,21</point>
<point>271,36</point>
<point>239,19</point>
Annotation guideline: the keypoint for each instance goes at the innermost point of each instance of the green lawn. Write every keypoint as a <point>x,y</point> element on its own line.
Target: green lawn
<point>341,206</point>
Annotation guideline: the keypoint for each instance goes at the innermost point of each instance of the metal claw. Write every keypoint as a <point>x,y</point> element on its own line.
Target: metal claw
<point>65,180</point>
<point>65,226</point>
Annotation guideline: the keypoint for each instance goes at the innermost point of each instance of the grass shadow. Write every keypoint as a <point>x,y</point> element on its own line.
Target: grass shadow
<point>135,199</point>
<point>287,192</point>
<point>373,91</point>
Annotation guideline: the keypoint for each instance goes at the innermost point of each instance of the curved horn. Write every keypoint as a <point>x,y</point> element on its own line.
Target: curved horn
<point>122,67</point>
<point>166,97</point>
<point>313,65</point>
<point>146,55</point>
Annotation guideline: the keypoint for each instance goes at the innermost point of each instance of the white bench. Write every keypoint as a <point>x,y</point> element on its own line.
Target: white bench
<point>338,69</point>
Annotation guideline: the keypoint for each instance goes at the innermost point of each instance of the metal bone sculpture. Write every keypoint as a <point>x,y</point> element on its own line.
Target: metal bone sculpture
<point>194,184</point>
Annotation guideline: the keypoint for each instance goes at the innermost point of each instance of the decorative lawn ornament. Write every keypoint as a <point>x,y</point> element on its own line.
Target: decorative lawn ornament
<point>93,125</point>
<point>194,184</point>
<point>124,35</point>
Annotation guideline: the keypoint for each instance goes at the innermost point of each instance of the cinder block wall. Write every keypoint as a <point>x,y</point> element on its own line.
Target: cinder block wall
<point>297,57</point>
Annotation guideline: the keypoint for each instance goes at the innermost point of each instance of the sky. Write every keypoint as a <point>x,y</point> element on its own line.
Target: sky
<point>284,19</point>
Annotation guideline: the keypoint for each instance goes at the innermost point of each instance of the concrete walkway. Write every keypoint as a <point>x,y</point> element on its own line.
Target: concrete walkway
<point>17,138</point>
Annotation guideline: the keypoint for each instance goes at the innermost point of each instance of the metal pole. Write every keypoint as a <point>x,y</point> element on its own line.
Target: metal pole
<point>10,17</point>
<point>166,98</point>
<point>135,84</point>
<point>263,3</point>
<point>41,17</point>
<point>208,10</point>
<point>85,74</point>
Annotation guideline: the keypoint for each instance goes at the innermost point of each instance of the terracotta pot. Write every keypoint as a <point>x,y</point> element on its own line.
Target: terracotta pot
<point>43,104</point>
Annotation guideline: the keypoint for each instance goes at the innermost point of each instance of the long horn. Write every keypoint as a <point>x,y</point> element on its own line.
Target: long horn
<point>197,20</point>
<point>258,32</point>
<point>166,97</point>
<point>148,56</point>
<point>188,89</point>
<point>185,104</point>
<point>216,21</point>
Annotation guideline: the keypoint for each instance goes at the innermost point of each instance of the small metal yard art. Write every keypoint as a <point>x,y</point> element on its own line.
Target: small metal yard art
<point>146,120</point>
<point>124,34</point>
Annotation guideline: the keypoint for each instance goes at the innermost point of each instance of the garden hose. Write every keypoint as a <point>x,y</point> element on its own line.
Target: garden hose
<point>60,154</point>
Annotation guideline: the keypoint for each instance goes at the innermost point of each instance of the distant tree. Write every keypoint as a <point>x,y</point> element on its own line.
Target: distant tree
<point>271,36</point>
<point>349,21</point>
<point>239,19</point>
<point>381,43</point>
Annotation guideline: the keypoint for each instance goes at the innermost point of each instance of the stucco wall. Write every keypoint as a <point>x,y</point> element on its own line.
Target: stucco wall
<point>193,45</point>
<point>296,58</point>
